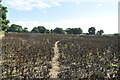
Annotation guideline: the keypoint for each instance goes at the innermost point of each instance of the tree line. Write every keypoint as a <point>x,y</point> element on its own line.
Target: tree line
<point>57,30</point>
<point>40,29</point>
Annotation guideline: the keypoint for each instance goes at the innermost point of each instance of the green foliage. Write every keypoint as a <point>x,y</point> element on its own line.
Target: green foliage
<point>3,18</point>
<point>35,30</point>
<point>15,28</point>
<point>100,32</point>
<point>114,65</point>
<point>39,29</point>
<point>42,29</point>
<point>92,30</point>
<point>58,30</point>
<point>74,30</point>
<point>117,34</point>
<point>1,32</point>
<point>48,31</point>
<point>25,29</point>
<point>51,31</point>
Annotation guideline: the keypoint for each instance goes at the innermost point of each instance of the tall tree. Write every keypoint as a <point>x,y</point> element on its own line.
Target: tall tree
<point>35,30</point>
<point>58,30</point>
<point>3,18</point>
<point>39,29</point>
<point>51,31</point>
<point>100,32</point>
<point>73,30</point>
<point>92,30</point>
<point>15,28</point>
<point>42,29</point>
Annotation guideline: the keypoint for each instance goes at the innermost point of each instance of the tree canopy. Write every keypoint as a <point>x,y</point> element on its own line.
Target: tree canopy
<point>15,28</point>
<point>92,30</point>
<point>39,29</point>
<point>58,30</point>
<point>100,32</point>
<point>73,30</point>
<point>3,18</point>
<point>25,29</point>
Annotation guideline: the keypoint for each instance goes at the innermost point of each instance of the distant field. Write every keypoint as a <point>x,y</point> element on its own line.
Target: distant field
<point>32,56</point>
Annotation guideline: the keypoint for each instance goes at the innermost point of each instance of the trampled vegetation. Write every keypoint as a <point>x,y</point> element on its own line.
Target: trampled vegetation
<point>29,56</point>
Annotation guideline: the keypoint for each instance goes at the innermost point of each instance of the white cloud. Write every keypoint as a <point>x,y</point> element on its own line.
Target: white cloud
<point>55,3</point>
<point>44,11</point>
<point>88,0</point>
<point>109,24</point>
<point>99,5</point>
<point>20,4</point>
<point>30,4</point>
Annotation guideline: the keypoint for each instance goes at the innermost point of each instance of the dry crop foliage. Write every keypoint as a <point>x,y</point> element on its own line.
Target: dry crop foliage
<point>28,56</point>
<point>90,57</point>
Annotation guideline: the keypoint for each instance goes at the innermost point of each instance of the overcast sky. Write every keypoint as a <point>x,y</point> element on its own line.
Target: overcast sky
<point>101,14</point>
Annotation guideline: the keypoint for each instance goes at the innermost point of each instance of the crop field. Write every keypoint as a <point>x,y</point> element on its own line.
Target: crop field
<point>34,56</point>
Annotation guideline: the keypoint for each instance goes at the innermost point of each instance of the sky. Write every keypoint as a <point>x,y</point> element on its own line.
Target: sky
<point>101,14</point>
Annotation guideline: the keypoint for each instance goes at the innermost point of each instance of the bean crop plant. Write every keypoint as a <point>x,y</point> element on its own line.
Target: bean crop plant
<point>33,56</point>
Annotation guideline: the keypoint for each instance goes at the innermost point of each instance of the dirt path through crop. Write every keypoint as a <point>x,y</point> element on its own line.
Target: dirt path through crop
<point>55,63</point>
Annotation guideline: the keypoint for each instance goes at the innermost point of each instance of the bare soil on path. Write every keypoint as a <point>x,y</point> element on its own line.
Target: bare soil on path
<point>55,63</point>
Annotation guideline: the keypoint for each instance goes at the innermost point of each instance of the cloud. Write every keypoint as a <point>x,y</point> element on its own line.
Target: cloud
<point>41,4</point>
<point>30,4</point>
<point>88,0</point>
<point>108,23</point>
<point>99,5</point>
